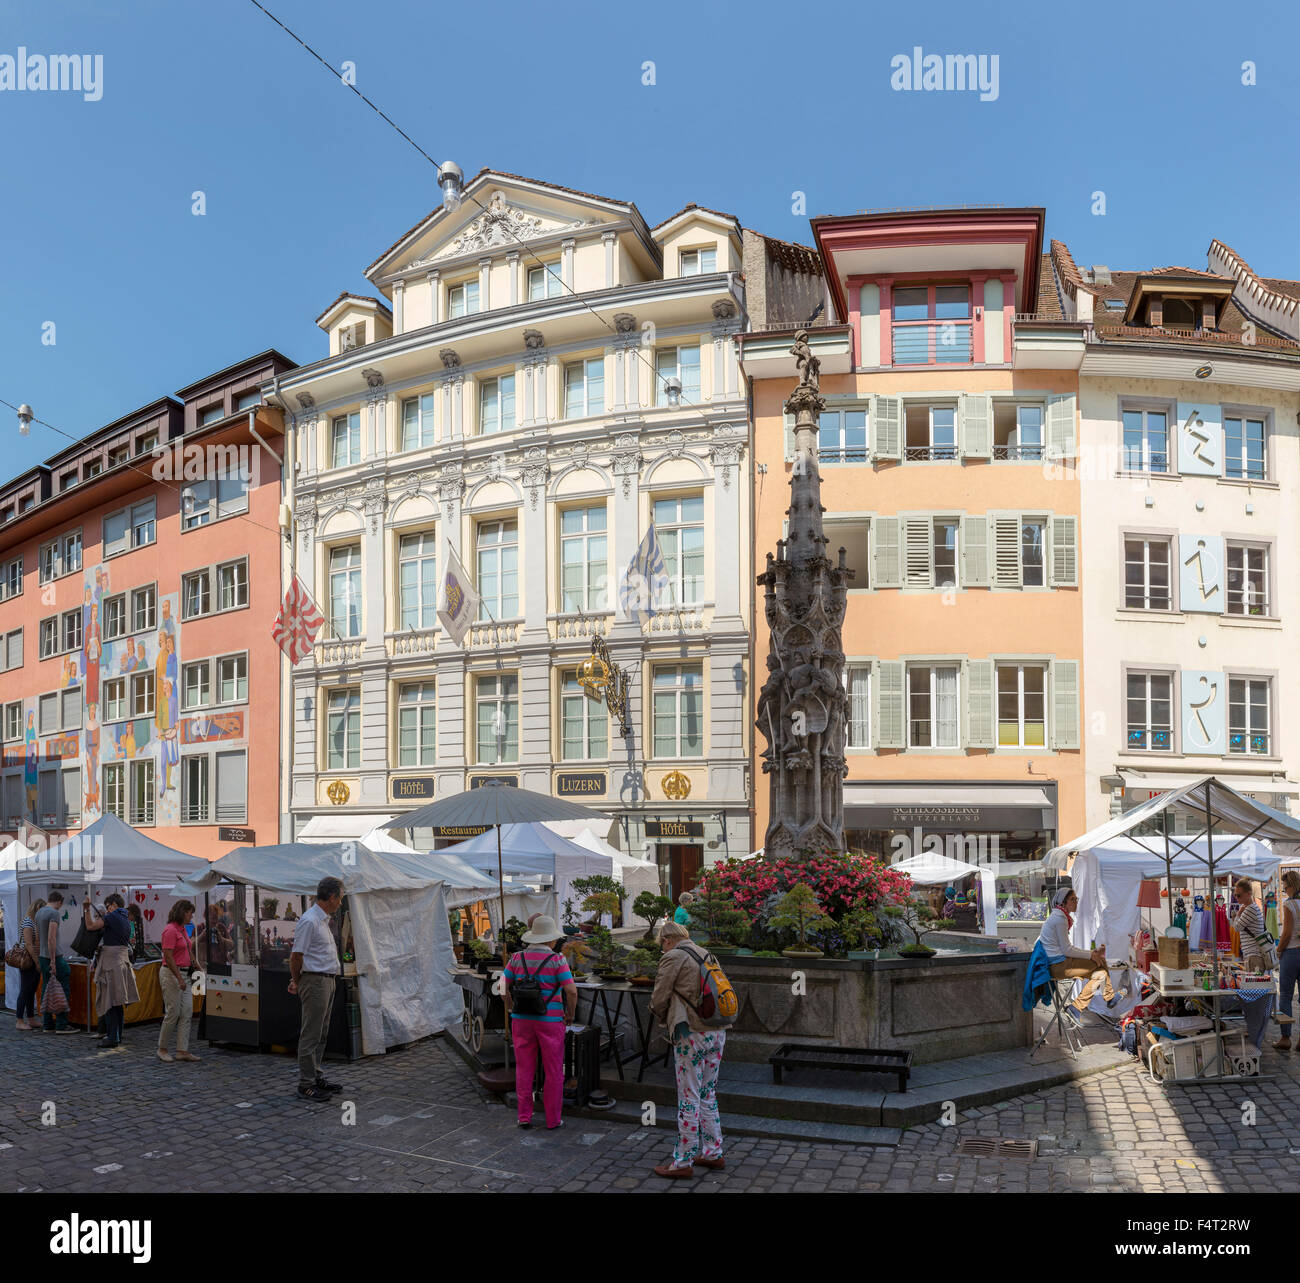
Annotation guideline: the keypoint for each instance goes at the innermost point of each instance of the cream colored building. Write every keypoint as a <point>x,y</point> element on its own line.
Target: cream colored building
<point>540,375</point>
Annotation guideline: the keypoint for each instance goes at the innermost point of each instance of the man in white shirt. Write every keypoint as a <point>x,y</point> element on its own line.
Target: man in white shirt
<point>1067,960</point>
<point>313,964</point>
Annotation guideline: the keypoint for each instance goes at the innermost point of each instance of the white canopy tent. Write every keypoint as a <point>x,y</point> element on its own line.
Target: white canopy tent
<point>636,875</point>
<point>930,868</point>
<point>10,902</point>
<point>400,929</point>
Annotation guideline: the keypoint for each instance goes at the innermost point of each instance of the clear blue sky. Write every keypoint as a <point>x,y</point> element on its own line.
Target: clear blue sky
<point>305,185</point>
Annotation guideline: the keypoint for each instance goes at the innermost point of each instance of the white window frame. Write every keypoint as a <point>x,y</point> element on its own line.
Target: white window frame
<point>593,597</point>
<point>239,661</point>
<point>420,557</point>
<point>346,590</point>
<point>590,717</point>
<point>1250,681</point>
<point>61,556</point>
<point>1244,549</point>
<point>11,579</point>
<point>417,714</point>
<point>579,377</point>
<point>546,281</point>
<point>114,700</point>
<point>682,694</point>
<point>494,602</point>
<point>1242,457</point>
<point>149,594</point>
<point>1143,464</point>
<point>142,809</point>
<point>685,590</point>
<point>351,436</point>
<point>142,695</point>
<point>852,670</point>
<point>459,299</point>
<point>1147,542</point>
<point>418,423</point>
<point>832,435</point>
<point>498,421</point>
<point>113,789</point>
<point>1148,728</point>
<point>343,703</point>
<point>933,695</point>
<point>692,262</point>
<point>192,813</point>
<point>498,692</point>
<point>692,391</point>
<point>1020,669</point>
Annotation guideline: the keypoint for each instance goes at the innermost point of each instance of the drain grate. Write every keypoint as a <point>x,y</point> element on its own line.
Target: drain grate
<point>995,1147</point>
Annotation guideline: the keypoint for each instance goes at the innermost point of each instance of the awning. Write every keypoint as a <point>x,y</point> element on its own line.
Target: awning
<point>1159,781</point>
<point>344,827</point>
<point>987,808</point>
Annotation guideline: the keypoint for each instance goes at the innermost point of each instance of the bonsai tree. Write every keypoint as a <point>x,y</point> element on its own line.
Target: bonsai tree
<point>641,962</point>
<point>653,909</point>
<point>479,950</point>
<point>918,919</point>
<point>799,912</point>
<point>600,903</point>
<point>860,928</point>
<point>602,949</point>
<point>512,936</point>
<point>716,909</point>
<point>570,914</point>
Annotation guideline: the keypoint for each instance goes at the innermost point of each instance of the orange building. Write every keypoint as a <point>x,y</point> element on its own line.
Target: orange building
<point>139,579</point>
<point>946,455</point>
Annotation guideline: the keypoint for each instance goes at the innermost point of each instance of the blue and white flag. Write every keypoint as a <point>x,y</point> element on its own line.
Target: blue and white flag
<point>645,580</point>
<point>457,601</point>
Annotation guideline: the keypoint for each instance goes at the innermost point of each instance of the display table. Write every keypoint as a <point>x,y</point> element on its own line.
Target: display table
<point>252,1007</point>
<point>147,981</point>
<point>1255,1005</point>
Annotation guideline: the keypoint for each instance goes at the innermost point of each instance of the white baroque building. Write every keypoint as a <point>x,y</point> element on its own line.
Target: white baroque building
<point>513,394</point>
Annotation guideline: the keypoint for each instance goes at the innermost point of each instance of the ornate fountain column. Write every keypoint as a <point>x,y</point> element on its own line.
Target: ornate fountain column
<point>802,704</point>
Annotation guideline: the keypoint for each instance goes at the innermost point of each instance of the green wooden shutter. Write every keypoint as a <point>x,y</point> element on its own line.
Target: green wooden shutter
<point>979,703</point>
<point>975,425</point>
<point>1065,703</point>
<point>884,535</point>
<point>889,704</point>
<point>974,551</point>
<point>1065,553</point>
<point>789,437</point>
<point>918,552</point>
<point>1060,426</point>
<point>886,427</point>
<point>1006,550</point>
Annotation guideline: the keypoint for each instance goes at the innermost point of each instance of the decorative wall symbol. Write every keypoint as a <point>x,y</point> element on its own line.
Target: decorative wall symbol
<point>1200,439</point>
<point>676,786</point>
<point>1204,729</point>
<point>338,792</point>
<point>1201,575</point>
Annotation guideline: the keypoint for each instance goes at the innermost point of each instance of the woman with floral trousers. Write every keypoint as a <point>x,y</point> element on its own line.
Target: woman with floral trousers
<point>697,1050</point>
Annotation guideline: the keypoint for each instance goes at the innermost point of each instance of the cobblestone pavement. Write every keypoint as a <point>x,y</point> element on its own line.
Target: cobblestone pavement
<point>124,1121</point>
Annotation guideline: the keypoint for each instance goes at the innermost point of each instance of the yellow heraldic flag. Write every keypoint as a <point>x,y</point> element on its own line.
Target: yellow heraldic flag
<point>457,599</point>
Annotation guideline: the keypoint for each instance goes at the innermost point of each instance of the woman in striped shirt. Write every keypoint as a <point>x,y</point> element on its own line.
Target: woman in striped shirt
<point>1250,925</point>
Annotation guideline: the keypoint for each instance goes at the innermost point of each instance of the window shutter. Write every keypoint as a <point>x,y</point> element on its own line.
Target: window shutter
<point>889,704</point>
<point>918,545</point>
<point>115,537</point>
<point>974,552</point>
<point>1060,427</point>
<point>1065,703</point>
<point>979,703</point>
<point>1065,556</point>
<point>886,427</point>
<point>884,534</point>
<point>232,788</point>
<point>974,419</point>
<point>1006,551</point>
<point>789,437</point>
<point>15,655</point>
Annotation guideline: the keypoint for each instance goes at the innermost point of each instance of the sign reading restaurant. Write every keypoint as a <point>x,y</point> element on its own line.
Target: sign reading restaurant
<point>674,828</point>
<point>575,783</point>
<point>459,831</point>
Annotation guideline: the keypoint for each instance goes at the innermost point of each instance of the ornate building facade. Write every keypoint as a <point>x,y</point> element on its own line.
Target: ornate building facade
<point>541,376</point>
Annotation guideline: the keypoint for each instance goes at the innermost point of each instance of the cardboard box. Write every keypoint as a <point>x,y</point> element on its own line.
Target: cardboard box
<point>1173,953</point>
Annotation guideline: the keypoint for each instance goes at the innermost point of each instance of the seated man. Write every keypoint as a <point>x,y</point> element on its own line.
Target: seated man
<point>1067,960</point>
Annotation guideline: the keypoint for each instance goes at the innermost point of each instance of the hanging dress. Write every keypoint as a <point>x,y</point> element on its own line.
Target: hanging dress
<point>1198,929</point>
<point>1222,930</point>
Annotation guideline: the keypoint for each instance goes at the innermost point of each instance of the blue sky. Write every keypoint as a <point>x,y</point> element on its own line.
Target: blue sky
<point>305,185</point>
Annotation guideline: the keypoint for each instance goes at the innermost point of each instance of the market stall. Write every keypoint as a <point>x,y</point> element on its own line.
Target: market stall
<point>9,858</point>
<point>104,857</point>
<point>933,868</point>
<point>392,932</point>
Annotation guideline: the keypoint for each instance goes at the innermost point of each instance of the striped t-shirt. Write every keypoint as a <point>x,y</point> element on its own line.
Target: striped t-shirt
<point>552,971</point>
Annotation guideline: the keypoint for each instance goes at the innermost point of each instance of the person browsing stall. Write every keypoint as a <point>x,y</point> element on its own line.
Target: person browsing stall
<point>1067,960</point>
<point>313,964</point>
<point>115,987</point>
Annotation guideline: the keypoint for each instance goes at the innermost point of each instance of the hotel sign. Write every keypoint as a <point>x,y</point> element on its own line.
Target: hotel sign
<point>576,783</point>
<point>674,828</point>
<point>419,788</point>
<point>477,781</point>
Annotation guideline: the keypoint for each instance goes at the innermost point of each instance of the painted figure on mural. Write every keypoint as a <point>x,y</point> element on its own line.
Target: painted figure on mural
<point>125,739</point>
<point>168,624</point>
<point>90,768</point>
<point>94,651</point>
<point>165,684</point>
<point>30,763</point>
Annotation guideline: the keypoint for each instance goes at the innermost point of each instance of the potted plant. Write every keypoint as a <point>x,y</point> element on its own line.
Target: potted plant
<point>641,966</point>
<point>725,926</point>
<point>799,912</point>
<point>269,908</point>
<point>862,932</point>
<point>920,920</point>
<point>600,883</point>
<point>653,909</point>
<point>482,955</point>
<point>602,949</point>
<point>570,918</point>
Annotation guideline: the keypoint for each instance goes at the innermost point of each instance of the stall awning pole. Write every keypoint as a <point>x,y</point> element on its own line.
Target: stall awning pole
<point>501,938</point>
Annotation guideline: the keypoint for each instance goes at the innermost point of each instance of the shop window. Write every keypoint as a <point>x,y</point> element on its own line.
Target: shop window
<point>1149,713</point>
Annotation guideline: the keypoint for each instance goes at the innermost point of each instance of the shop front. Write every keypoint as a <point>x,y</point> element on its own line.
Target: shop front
<point>1004,825</point>
<point>681,843</point>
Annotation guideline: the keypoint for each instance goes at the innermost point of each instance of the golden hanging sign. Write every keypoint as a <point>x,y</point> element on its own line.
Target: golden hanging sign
<point>338,792</point>
<point>676,786</point>
<point>600,676</point>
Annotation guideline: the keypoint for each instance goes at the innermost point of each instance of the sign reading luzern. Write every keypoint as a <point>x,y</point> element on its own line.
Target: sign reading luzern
<point>418,788</point>
<point>459,831</point>
<point>236,835</point>
<point>674,828</point>
<point>477,781</point>
<point>575,783</point>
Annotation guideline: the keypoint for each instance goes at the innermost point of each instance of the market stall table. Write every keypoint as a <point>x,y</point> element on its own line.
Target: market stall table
<point>642,1020</point>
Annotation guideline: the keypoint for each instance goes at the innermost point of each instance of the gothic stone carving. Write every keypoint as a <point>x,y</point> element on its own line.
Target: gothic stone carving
<point>374,379</point>
<point>533,340</point>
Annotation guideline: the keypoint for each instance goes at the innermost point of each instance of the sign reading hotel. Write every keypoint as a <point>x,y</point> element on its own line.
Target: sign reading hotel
<point>674,828</point>
<point>576,783</point>
<point>417,789</point>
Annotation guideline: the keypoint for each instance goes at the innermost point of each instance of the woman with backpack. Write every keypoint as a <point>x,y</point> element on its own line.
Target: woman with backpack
<point>541,998</point>
<point>697,1053</point>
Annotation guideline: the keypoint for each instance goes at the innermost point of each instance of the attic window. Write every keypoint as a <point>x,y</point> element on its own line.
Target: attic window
<point>699,262</point>
<point>352,336</point>
<point>1180,313</point>
<point>212,414</point>
<point>1115,304</point>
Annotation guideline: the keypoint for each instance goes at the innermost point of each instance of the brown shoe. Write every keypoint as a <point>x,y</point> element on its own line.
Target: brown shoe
<point>185,1055</point>
<point>1282,1044</point>
<point>22,1026</point>
<point>669,1172</point>
<point>714,1164</point>
<point>164,1054</point>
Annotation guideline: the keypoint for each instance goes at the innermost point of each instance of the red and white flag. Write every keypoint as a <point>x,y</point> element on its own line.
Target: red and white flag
<point>297,623</point>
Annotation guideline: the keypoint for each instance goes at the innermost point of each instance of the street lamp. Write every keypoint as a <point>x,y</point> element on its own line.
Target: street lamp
<point>450,179</point>
<point>593,677</point>
<point>25,417</point>
<point>674,385</point>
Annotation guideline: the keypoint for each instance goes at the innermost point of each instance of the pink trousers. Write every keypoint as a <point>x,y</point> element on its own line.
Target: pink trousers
<point>532,1037</point>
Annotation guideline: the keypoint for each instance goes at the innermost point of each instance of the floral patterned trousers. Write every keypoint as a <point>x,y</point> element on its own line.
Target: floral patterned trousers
<point>698,1058</point>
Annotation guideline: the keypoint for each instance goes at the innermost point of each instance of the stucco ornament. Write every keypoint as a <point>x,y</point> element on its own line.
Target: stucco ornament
<point>450,358</point>
<point>534,474</point>
<point>338,792</point>
<point>499,224</point>
<point>676,786</point>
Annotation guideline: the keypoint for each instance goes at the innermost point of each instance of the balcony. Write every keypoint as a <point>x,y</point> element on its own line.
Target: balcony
<point>679,619</point>
<point>570,627</point>
<point>332,652</point>
<point>411,643</point>
<point>1018,453</point>
<point>930,453</point>
<point>932,342</point>
<point>490,636</point>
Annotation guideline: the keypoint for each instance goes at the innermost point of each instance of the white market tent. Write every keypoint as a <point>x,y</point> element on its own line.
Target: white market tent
<point>1233,827</point>
<point>930,868</point>
<point>113,854</point>
<point>400,931</point>
<point>635,875</point>
<point>9,901</point>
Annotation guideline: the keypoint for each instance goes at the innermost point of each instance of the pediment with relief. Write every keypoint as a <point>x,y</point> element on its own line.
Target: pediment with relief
<point>500,226</point>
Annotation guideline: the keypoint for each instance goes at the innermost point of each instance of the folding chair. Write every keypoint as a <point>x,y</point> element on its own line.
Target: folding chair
<point>1064,1018</point>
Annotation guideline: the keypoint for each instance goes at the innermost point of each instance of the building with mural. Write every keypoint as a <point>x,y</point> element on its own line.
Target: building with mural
<point>1189,471</point>
<point>140,578</point>
<point>947,460</point>
<point>539,376</point>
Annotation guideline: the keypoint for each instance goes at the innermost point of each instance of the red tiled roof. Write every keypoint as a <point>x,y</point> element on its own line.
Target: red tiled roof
<point>1048,306</point>
<point>791,255</point>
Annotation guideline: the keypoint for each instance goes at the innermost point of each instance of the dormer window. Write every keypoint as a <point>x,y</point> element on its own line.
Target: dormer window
<point>352,336</point>
<point>699,262</point>
<point>1179,314</point>
<point>462,300</point>
<point>931,325</point>
<point>248,401</point>
<point>118,454</point>
<point>543,282</point>
<point>213,414</point>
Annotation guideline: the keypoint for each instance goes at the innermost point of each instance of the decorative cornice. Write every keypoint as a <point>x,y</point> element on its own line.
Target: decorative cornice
<point>374,379</point>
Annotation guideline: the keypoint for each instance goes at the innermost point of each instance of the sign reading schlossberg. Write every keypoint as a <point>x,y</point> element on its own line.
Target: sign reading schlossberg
<point>576,783</point>
<point>936,814</point>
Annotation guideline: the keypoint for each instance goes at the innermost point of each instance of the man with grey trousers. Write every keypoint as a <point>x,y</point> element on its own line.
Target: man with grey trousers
<point>313,964</point>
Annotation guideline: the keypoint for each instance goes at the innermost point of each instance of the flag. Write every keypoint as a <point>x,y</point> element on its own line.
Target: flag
<point>457,600</point>
<point>645,579</point>
<point>297,623</point>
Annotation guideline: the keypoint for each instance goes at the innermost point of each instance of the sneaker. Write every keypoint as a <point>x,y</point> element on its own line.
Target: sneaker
<point>324,1084</point>
<point>164,1054</point>
<point>524,1124</point>
<point>68,1029</point>
<point>314,1093</point>
<point>557,1126</point>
